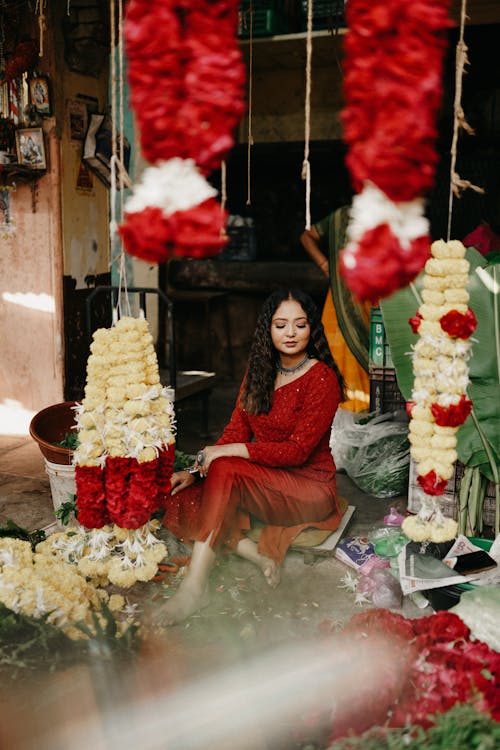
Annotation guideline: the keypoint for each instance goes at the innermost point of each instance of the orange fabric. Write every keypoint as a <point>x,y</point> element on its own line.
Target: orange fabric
<point>356,378</point>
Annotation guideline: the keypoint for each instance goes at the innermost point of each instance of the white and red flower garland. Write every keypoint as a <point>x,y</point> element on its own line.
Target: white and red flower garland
<point>394,53</point>
<point>125,453</point>
<point>186,79</point>
<point>439,404</point>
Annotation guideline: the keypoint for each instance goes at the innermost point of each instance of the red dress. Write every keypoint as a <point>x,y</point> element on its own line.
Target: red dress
<point>288,482</point>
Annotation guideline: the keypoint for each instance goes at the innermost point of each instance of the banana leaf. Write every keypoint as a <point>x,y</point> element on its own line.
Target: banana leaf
<point>483,426</point>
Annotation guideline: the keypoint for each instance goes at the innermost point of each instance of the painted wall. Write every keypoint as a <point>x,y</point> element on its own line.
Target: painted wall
<point>57,229</point>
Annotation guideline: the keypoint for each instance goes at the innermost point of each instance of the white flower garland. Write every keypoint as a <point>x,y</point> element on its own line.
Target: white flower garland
<point>441,378</point>
<point>125,411</point>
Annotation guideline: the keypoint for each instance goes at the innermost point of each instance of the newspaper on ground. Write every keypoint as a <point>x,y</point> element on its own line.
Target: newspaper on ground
<point>418,571</point>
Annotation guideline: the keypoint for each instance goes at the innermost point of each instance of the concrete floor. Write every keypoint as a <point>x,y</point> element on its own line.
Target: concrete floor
<point>311,588</point>
<point>246,634</point>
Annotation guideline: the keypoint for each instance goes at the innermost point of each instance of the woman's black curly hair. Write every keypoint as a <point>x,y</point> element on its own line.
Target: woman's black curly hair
<point>258,389</point>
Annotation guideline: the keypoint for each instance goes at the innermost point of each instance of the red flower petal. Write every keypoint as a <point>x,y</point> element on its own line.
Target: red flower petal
<point>459,325</point>
<point>453,415</point>
<point>415,322</point>
<point>432,484</point>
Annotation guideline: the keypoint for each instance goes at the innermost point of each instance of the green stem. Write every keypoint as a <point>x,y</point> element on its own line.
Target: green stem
<point>415,293</point>
<point>494,470</point>
<point>496,318</point>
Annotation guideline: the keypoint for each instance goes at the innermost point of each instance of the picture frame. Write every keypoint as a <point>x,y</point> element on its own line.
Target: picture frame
<point>39,94</point>
<point>30,148</point>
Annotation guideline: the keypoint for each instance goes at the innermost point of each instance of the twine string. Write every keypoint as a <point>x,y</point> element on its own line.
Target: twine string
<point>306,166</point>
<point>250,104</point>
<point>457,184</point>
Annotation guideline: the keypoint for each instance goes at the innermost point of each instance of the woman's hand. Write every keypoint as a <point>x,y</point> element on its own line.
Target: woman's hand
<point>209,453</point>
<point>180,480</point>
<point>205,457</point>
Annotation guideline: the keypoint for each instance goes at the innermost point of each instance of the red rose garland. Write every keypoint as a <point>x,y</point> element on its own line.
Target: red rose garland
<point>186,79</point>
<point>393,61</point>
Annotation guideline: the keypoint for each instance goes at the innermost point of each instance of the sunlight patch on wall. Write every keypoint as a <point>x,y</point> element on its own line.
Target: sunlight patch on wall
<point>40,302</point>
<point>14,418</point>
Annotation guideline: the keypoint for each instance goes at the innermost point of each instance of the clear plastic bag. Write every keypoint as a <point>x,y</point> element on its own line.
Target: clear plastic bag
<point>373,450</point>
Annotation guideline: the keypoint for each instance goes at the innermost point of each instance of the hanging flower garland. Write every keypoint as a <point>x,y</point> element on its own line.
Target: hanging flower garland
<point>186,79</point>
<point>393,62</point>
<point>439,404</point>
<point>125,454</point>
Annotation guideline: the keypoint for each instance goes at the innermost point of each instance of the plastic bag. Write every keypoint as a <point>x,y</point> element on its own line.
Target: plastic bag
<point>382,588</point>
<point>373,450</point>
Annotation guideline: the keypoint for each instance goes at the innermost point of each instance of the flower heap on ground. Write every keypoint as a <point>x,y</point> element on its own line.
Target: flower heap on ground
<point>435,663</point>
<point>39,584</point>
<point>439,404</point>
<point>125,453</point>
<point>394,53</point>
<point>187,88</point>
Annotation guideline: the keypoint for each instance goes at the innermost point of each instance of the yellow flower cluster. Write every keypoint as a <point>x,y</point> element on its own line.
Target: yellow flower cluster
<point>439,361</point>
<point>125,411</point>
<point>111,554</point>
<point>39,584</point>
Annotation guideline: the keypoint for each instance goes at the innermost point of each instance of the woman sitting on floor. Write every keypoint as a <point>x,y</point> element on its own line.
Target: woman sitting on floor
<point>272,461</point>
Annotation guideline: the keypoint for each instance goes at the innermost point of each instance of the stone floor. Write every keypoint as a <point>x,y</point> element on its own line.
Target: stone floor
<point>245,618</point>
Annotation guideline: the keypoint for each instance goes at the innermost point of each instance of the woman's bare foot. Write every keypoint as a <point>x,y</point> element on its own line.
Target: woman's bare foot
<point>184,603</point>
<point>249,551</point>
<point>271,571</point>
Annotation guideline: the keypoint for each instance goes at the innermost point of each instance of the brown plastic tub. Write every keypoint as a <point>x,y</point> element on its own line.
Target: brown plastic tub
<point>50,426</point>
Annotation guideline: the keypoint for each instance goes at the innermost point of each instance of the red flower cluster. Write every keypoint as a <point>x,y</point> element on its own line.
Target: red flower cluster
<point>415,322</point>
<point>459,325</point>
<point>393,64</point>
<point>453,415</point>
<point>125,492</point>
<point>198,232</point>
<point>440,665</point>
<point>394,54</point>
<point>186,77</point>
<point>382,265</point>
<point>187,80</point>
<point>432,484</point>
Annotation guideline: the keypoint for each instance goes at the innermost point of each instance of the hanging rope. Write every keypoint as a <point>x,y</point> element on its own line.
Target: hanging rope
<point>116,162</point>
<point>250,95</point>
<point>457,184</point>
<point>40,9</point>
<point>306,166</point>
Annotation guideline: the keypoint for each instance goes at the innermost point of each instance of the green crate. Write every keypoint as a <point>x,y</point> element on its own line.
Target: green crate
<point>267,21</point>
<point>379,352</point>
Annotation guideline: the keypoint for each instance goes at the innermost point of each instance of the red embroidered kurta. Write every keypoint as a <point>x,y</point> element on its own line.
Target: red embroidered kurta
<point>288,482</point>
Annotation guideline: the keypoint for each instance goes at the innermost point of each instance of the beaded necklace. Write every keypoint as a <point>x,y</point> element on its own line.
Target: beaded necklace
<point>290,370</point>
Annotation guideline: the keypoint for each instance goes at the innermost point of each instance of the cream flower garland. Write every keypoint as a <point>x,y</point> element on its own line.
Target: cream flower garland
<point>126,430</point>
<point>439,404</point>
<point>42,585</point>
<point>109,555</point>
<point>125,411</point>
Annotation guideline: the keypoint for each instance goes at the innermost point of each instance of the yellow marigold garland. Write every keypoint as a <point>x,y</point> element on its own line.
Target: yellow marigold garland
<point>439,403</point>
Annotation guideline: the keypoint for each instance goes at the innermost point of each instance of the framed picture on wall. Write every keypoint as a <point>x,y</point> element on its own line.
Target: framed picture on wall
<point>31,148</point>
<point>40,95</point>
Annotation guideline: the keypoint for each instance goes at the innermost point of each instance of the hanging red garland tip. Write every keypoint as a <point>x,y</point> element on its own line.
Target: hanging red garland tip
<point>173,209</point>
<point>186,77</point>
<point>394,53</point>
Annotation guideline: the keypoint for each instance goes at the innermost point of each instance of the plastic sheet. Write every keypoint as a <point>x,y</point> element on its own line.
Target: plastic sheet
<point>374,452</point>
